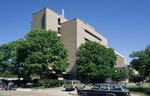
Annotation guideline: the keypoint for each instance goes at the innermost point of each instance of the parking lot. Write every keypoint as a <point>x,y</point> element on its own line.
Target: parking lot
<point>60,91</point>
<point>38,92</point>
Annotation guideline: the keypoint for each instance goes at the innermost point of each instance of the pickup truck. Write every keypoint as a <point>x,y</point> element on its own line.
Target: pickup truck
<point>73,84</point>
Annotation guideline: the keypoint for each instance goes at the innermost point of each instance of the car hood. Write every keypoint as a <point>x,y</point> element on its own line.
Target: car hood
<point>125,90</point>
<point>86,89</point>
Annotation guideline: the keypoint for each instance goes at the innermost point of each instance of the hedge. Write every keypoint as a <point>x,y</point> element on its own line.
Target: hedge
<point>48,83</point>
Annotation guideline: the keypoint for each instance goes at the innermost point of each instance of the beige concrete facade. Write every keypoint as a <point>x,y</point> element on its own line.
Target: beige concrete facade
<point>46,19</point>
<point>73,33</point>
<point>120,63</point>
<point>69,39</point>
<point>38,20</point>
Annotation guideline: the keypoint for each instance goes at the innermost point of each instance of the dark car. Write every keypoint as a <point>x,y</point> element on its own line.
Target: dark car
<point>105,90</point>
<point>2,84</point>
<point>11,86</point>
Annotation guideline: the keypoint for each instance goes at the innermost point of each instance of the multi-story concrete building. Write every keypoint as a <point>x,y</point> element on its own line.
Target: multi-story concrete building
<point>72,34</point>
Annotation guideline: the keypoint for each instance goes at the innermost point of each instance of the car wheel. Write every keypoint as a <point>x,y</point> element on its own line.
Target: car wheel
<point>110,95</point>
<point>83,94</point>
<point>67,89</point>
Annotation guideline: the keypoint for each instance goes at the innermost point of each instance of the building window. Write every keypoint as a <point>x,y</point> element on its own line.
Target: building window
<point>58,30</point>
<point>59,21</point>
<point>43,26</point>
<point>86,39</point>
<point>90,33</point>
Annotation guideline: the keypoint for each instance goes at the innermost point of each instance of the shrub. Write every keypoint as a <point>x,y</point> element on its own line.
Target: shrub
<point>48,83</point>
<point>136,78</point>
<point>20,82</point>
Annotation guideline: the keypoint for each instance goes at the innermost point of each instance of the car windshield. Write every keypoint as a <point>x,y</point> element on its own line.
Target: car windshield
<point>1,81</point>
<point>67,82</point>
<point>124,87</point>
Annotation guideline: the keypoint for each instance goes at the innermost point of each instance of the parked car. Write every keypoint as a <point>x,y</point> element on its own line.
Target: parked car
<point>11,86</point>
<point>72,84</point>
<point>7,85</point>
<point>105,90</point>
<point>2,84</point>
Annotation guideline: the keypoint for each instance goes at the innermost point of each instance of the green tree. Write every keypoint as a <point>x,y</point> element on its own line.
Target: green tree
<point>141,61</point>
<point>5,59</point>
<point>40,51</point>
<point>46,52</point>
<point>121,74</point>
<point>19,65</point>
<point>95,61</point>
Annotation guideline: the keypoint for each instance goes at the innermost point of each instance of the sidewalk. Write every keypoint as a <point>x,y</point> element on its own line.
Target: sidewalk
<point>73,93</point>
<point>23,89</point>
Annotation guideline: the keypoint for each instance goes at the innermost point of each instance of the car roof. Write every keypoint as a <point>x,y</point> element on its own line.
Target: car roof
<point>108,84</point>
<point>71,80</point>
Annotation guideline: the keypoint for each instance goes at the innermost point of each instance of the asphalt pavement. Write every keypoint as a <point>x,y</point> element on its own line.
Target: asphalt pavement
<point>60,91</point>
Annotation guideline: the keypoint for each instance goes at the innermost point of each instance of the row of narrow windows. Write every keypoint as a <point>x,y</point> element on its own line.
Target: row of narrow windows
<point>86,39</point>
<point>59,23</point>
<point>90,33</point>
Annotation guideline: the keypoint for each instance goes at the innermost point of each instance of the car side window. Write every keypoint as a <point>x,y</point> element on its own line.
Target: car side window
<point>104,87</point>
<point>77,82</point>
<point>96,87</point>
<point>115,87</point>
<point>74,82</point>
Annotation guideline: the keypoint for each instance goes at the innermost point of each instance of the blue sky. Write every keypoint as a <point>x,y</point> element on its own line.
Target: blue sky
<point>125,23</point>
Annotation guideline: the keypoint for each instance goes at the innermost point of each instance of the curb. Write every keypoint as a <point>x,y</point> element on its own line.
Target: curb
<point>22,89</point>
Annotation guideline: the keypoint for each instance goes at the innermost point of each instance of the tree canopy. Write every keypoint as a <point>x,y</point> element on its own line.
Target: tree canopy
<point>5,59</point>
<point>40,51</point>
<point>95,61</point>
<point>141,61</point>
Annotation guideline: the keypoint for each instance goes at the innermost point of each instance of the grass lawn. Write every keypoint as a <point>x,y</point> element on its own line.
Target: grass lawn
<point>144,91</point>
